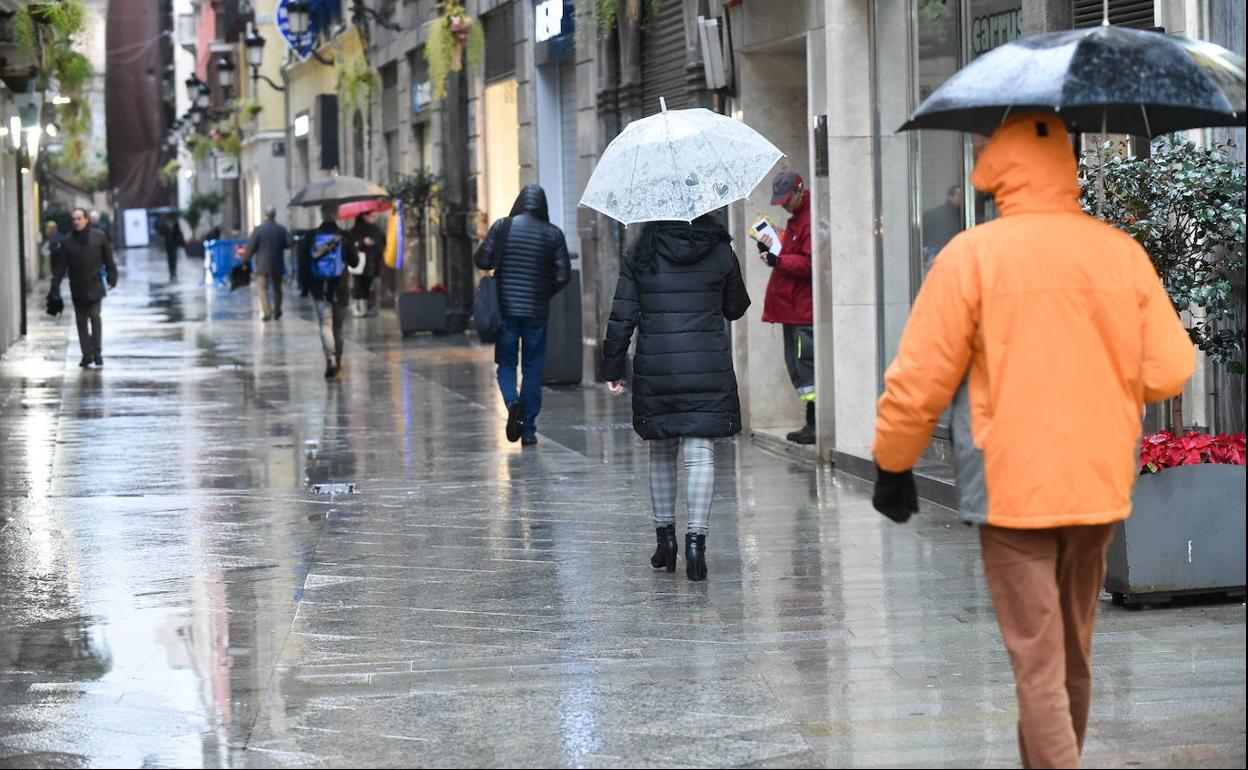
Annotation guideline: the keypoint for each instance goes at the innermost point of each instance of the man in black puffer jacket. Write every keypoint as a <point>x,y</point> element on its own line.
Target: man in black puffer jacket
<point>530,257</point>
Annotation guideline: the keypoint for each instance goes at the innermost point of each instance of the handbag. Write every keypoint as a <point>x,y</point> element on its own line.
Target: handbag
<point>487,313</point>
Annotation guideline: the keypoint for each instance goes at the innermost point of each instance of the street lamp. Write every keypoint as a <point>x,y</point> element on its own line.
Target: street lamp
<point>300,13</point>
<point>203,97</point>
<point>255,57</point>
<point>225,75</point>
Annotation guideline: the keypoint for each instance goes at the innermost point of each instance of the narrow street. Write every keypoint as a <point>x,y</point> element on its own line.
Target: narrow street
<point>179,588</point>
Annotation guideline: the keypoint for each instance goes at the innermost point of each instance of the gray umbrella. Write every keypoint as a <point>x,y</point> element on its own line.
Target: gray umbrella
<point>338,189</point>
<point>1100,80</point>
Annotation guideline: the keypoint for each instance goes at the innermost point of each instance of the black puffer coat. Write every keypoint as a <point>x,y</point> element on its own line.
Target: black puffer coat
<point>678,285</point>
<point>533,264</point>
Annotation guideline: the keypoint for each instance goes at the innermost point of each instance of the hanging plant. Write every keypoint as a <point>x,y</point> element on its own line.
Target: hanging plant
<point>357,80</point>
<point>607,11</point>
<point>170,170</point>
<point>452,34</point>
<point>43,28</point>
<point>225,139</point>
<point>199,145</point>
<point>250,110</point>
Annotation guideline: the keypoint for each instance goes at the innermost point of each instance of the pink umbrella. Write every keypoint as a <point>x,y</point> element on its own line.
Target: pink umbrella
<point>356,208</point>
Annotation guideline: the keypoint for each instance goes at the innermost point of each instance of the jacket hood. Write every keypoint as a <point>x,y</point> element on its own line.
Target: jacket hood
<point>532,200</point>
<point>1029,165</point>
<point>683,243</point>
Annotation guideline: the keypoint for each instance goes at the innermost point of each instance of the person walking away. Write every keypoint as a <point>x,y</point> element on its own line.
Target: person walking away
<point>50,249</point>
<point>84,255</point>
<point>267,250</point>
<point>1048,330</point>
<point>370,241</point>
<point>99,223</point>
<point>789,300</point>
<point>174,240</point>
<point>677,287</point>
<point>328,285</point>
<point>530,257</point>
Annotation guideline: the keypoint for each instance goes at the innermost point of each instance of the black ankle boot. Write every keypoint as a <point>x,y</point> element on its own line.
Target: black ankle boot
<point>665,554</point>
<point>695,556</point>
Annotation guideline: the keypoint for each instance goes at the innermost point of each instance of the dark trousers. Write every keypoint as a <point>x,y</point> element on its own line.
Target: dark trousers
<point>90,340</point>
<point>799,359</point>
<point>1045,584</point>
<point>171,255</point>
<point>529,333</point>
<point>331,317</point>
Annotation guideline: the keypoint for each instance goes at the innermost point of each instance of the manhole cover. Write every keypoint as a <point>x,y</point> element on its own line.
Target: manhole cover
<point>333,489</point>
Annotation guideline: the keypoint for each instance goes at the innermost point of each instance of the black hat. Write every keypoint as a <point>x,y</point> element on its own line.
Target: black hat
<point>783,185</point>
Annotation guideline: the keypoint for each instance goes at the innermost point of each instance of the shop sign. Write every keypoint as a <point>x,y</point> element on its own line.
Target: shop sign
<point>554,22</point>
<point>996,29</point>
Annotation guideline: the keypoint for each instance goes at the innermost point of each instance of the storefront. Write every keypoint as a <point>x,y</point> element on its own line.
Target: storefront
<point>557,156</point>
<point>500,116</point>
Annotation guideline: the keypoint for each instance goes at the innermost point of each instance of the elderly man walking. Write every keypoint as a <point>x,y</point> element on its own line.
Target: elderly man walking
<point>87,258</point>
<point>267,248</point>
<point>1048,330</point>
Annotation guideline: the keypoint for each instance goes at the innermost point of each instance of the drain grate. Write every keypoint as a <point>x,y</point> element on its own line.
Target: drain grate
<point>333,489</point>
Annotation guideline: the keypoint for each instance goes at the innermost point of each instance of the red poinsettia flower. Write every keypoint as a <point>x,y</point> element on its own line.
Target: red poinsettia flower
<point>1166,450</point>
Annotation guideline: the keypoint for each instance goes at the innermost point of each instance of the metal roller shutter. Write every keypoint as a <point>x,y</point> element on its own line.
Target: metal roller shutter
<point>1124,13</point>
<point>663,58</point>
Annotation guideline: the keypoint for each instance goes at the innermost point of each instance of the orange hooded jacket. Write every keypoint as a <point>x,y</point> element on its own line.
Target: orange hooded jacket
<point>1058,329</point>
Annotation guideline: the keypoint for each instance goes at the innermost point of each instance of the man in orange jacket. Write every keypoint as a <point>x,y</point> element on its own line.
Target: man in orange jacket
<point>1048,330</point>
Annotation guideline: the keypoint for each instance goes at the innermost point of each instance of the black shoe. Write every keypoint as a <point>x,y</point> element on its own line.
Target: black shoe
<point>528,441</point>
<point>331,371</point>
<point>665,554</point>
<point>804,436</point>
<point>85,363</point>
<point>514,424</point>
<point>695,556</point>
<point>277,316</point>
<point>99,360</point>
<point>266,318</point>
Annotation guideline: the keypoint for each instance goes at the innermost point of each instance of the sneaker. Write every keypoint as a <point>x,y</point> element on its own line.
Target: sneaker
<point>528,441</point>
<point>804,436</point>
<point>515,413</point>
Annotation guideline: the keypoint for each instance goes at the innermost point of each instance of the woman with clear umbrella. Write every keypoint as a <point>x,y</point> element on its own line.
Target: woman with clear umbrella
<point>678,287</point>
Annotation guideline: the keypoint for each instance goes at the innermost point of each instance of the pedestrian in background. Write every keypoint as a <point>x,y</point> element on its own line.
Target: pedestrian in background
<point>1048,330</point>
<point>529,255</point>
<point>328,285</point>
<point>370,241</point>
<point>677,287</point>
<point>789,300</point>
<point>87,258</point>
<point>50,249</point>
<point>267,250</point>
<point>171,233</point>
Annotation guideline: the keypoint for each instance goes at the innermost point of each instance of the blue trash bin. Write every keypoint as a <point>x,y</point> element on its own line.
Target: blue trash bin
<point>224,255</point>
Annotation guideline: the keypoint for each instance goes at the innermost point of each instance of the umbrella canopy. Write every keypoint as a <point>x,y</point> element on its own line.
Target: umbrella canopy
<point>353,210</point>
<point>1100,80</point>
<point>678,165</point>
<point>337,189</point>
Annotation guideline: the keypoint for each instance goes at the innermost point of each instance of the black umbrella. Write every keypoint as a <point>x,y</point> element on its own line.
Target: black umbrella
<point>1099,80</point>
<point>338,189</point>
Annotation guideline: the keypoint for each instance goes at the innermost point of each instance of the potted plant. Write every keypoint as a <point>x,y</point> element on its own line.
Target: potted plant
<point>451,34</point>
<point>1186,530</point>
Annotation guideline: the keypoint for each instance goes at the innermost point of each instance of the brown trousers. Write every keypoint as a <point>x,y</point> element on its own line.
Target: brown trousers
<point>1045,584</point>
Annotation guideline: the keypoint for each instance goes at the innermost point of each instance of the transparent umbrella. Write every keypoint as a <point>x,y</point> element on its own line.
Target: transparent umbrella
<point>677,166</point>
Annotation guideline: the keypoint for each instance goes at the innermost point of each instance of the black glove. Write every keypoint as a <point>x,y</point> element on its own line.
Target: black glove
<point>895,496</point>
<point>56,305</point>
<point>762,247</point>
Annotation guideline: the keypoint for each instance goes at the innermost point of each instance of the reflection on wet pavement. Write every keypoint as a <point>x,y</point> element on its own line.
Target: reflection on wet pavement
<point>174,591</point>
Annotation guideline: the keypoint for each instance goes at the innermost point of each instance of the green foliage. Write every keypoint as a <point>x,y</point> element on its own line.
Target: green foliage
<point>450,34</point>
<point>416,191</point>
<point>170,170</point>
<point>607,11</point>
<point>204,203</point>
<point>226,139</point>
<point>251,110</point>
<point>76,170</point>
<point>357,80</point>
<point>1185,206</point>
<point>199,145</point>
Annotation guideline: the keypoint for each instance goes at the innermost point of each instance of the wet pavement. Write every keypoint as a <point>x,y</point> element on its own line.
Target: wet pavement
<point>174,591</point>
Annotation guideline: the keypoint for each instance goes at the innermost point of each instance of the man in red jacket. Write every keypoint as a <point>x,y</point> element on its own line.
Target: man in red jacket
<point>788,299</point>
